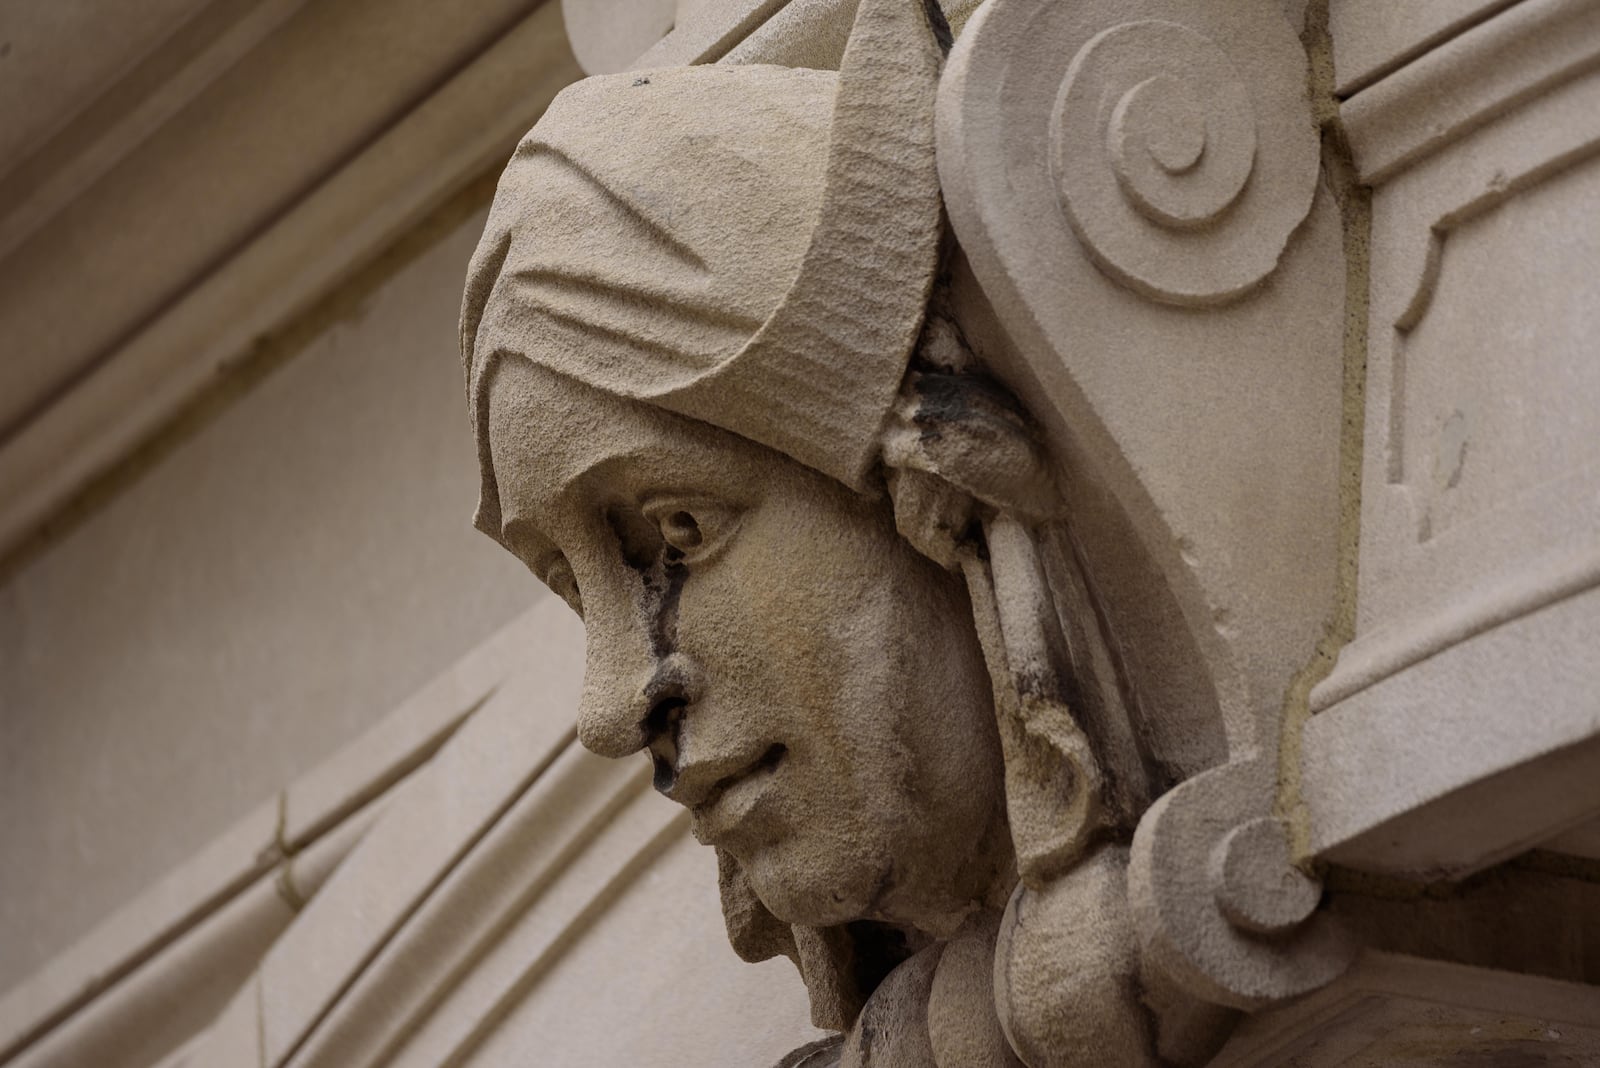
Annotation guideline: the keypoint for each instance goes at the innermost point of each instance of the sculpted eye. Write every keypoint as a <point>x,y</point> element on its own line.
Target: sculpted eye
<point>691,530</point>
<point>681,530</point>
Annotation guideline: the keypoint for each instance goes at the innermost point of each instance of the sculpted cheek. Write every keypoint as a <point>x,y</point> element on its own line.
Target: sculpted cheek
<point>762,639</point>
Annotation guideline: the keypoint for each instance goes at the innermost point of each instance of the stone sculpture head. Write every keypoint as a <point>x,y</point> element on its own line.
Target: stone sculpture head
<point>804,681</point>
<point>676,439</point>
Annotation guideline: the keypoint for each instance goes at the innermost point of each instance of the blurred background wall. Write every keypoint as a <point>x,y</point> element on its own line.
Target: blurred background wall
<point>253,600</point>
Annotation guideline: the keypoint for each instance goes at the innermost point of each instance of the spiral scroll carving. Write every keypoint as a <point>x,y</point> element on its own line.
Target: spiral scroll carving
<point>1180,179</point>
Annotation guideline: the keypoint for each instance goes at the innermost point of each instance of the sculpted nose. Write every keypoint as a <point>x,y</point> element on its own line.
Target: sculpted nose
<point>632,697</point>
<point>619,660</point>
<point>612,712</point>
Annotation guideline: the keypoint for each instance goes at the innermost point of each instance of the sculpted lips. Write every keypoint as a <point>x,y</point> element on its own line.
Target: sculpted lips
<point>706,799</point>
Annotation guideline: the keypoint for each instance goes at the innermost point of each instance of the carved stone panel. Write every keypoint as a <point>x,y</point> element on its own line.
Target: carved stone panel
<point>1467,685</point>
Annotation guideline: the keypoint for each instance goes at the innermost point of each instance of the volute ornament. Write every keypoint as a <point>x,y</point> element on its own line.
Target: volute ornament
<point>1182,177</point>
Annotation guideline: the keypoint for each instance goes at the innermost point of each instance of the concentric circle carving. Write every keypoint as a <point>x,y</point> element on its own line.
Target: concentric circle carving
<point>1183,158</point>
<point>1172,172</point>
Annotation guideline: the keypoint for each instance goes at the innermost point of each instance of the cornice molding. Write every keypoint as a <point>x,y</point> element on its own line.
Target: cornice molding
<point>133,108</point>
<point>1376,37</point>
<point>1465,83</point>
<point>456,131</point>
<point>1369,1016</point>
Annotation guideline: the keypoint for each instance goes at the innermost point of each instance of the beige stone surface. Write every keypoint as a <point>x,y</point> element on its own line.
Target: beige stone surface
<point>1455,763</point>
<point>704,32</point>
<point>145,707</point>
<point>408,736</point>
<point>235,1037</point>
<point>435,901</point>
<point>172,996</point>
<point>157,971</point>
<point>608,35</point>
<point>181,935</point>
<point>448,939</point>
<point>184,1056</point>
<point>1478,510</point>
<point>1137,190</point>
<point>441,814</point>
<point>1138,193</point>
<point>968,585</point>
<point>162,910</point>
<point>1580,841</point>
<point>542,886</point>
<point>1445,94</point>
<point>131,102</point>
<point>1374,37</point>
<point>1066,986</point>
<point>802,33</point>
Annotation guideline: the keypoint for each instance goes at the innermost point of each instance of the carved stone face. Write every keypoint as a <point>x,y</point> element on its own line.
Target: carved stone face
<point>805,683</point>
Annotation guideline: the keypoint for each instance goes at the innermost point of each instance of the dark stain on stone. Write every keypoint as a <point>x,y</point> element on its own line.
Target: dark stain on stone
<point>984,407</point>
<point>939,25</point>
<point>664,625</point>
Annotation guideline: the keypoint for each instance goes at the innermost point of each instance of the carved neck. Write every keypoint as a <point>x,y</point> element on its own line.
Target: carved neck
<point>936,904</point>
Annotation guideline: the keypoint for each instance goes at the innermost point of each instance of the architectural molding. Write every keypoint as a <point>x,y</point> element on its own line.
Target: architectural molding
<point>1405,1012</point>
<point>1520,769</point>
<point>1124,316</point>
<point>380,189</point>
<point>1378,36</point>
<point>457,967</point>
<point>1457,572</point>
<point>131,110</point>
<point>1468,81</point>
<point>177,946</point>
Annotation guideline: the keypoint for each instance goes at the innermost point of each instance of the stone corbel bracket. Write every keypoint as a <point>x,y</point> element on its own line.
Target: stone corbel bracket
<point>1135,184</point>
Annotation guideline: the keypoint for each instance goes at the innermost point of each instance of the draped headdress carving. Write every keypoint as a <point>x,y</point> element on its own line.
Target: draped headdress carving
<point>780,300</point>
